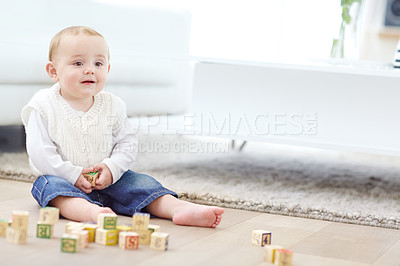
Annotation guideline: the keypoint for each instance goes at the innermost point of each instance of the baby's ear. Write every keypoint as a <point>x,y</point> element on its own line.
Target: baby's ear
<point>108,71</point>
<point>51,70</point>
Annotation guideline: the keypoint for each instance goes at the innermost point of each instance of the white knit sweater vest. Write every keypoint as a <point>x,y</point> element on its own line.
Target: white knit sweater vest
<point>85,139</point>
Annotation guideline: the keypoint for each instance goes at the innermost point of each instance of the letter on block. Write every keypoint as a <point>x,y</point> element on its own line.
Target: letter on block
<point>49,215</point>
<point>261,237</point>
<point>44,230</point>
<point>159,241</point>
<point>107,221</point>
<point>69,243</point>
<point>269,255</point>
<point>144,237</point>
<point>283,257</point>
<point>20,220</point>
<point>128,240</point>
<point>140,221</point>
<point>106,237</point>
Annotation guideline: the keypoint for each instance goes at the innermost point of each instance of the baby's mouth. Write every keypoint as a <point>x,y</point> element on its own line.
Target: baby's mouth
<point>88,81</point>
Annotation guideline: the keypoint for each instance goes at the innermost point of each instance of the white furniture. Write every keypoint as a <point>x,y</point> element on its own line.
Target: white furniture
<point>149,48</point>
<point>347,107</point>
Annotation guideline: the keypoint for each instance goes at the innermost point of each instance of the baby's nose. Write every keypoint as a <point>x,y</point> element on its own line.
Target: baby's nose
<point>89,71</point>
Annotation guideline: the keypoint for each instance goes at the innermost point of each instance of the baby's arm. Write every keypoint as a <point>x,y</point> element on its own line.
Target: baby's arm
<point>124,151</point>
<point>43,153</point>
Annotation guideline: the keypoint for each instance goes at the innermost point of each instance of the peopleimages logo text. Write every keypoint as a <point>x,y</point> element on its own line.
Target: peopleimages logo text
<point>229,124</point>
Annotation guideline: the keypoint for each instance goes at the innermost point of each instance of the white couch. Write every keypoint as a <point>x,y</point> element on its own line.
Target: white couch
<point>149,50</point>
<point>351,106</point>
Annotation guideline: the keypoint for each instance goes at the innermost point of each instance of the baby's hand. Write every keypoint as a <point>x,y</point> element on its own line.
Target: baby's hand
<point>105,179</point>
<point>82,183</point>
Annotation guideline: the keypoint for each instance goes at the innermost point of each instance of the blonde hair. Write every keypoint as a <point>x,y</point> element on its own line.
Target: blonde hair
<point>73,30</point>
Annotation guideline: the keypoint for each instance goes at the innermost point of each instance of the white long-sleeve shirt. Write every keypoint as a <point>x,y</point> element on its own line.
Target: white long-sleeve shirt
<point>46,158</point>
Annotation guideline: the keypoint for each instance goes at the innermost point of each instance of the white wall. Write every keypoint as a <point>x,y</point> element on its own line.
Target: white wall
<point>274,30</point>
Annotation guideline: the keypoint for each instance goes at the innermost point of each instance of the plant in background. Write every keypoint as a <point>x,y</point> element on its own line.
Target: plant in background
<point>350,13</point>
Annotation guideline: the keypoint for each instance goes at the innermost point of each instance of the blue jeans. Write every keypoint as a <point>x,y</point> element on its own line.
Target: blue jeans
<point>130,194</point>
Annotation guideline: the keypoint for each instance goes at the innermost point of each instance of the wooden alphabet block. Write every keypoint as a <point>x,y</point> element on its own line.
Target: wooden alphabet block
<point>19,220</point>
<point>283,257</point>
<point>144,237</point>
<point>91,228</point>
<point>83,238</point>
<point>123,228</point>
<point>10,234</point>
<point>107,221</point>
<point>44,230</point>
<point>73,226</point>
<point>16,236</point>
<point>69,243</point>
<point>269,254</point>
<point>154,228</point>
<point>128,240</point>
<point>49,215</point>
<point>140,221</point>
<point>91,177</point>
<point>261,237</point>
<point>159,241</point>
<point>106,237</point>
<point>3,227</point>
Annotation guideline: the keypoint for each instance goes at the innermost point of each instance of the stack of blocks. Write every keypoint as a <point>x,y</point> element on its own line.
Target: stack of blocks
<point>18,231</point>
<point>273,253</point>
<point>140,225</point>
<point>147,233</point>
<point>77,236</point>
<point>106,232</point>
<point>48,217</point>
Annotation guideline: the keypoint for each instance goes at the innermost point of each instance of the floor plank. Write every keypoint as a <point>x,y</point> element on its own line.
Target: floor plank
<point>391,257</point>
<point>362,244</point>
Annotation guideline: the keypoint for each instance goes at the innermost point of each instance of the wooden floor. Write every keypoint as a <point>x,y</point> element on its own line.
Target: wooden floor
<point>313,242</point>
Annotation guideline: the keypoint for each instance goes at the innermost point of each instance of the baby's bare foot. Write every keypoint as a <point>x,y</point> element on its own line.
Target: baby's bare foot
<point>97,210</point>
<point>197,215</point>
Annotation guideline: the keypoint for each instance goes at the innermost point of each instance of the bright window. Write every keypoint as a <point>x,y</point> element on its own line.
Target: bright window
<point>261,30</point>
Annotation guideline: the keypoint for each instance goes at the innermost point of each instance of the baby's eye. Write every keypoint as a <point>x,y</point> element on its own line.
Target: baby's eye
<point>98,64</point>
<point>78,63</point>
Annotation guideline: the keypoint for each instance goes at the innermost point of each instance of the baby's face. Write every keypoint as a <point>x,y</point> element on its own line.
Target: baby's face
<point>82,66</point>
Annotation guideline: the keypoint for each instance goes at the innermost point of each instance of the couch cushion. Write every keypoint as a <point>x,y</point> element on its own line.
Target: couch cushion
<point>146,44</point>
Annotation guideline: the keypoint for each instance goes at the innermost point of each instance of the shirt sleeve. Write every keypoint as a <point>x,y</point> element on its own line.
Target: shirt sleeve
<point>42,151</point>
<point>124,151</point>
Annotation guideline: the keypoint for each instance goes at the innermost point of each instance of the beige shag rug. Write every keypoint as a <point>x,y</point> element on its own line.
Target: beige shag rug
<point>303,182</point>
